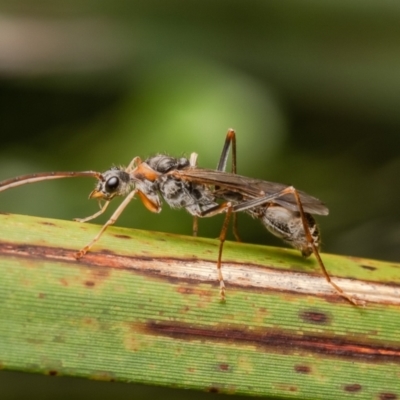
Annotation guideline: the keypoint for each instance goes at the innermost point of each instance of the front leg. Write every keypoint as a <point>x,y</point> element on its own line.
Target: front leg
<point>103,208</point>
<point>111,221</point>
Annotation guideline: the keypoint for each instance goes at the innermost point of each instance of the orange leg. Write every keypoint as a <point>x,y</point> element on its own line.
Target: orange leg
<point>94,215</point>
<point>111,221</point>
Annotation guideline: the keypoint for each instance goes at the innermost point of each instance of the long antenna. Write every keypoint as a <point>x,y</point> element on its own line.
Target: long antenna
<point>44,176</point>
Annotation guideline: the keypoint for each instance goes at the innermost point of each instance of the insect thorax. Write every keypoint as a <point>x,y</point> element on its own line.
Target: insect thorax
<point>163,164</point>
<point>177,193</point>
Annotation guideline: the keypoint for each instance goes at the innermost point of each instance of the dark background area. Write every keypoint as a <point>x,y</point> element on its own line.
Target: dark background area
<point>312,89</point>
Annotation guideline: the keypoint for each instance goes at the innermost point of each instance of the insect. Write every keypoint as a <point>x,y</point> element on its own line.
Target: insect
<point>283,210</point>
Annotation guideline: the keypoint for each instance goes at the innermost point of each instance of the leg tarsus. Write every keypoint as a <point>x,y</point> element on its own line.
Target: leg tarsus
<point>222,291</point>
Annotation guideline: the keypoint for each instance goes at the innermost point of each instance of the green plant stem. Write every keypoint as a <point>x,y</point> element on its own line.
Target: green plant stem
<point>144,307</point>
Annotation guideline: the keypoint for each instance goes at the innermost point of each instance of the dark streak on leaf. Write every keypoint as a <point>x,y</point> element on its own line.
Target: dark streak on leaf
<point>48,223</point>
<point>278,341</point>
<point>122,236</point>
<point>369,268</point>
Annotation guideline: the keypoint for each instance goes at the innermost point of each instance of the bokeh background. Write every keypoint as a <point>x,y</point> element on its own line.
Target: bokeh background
<point>312,89</point>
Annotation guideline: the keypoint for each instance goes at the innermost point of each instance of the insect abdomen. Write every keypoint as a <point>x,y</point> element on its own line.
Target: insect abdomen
<point>288,226</point>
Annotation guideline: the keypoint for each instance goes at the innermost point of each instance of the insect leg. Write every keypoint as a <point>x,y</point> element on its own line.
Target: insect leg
<point>111,221</point>
<point>195,227</point>
<point>193,160</point>
<point>193,164</point>
<point>230,140</point>
<point>310,240</point>
<point>94,215</point>
<point>222,237</point>
<point>224,207</point>
<point>135,161</point>
<point>291,190</point>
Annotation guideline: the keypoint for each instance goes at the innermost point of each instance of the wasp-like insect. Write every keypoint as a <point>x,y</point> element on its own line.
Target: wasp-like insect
<point>285,211</point>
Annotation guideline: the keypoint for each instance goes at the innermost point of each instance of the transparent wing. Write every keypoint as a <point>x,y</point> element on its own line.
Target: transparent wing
<point>251,188</point>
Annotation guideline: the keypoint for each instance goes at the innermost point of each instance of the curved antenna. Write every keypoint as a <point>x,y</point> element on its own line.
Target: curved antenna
<point>44,176</point>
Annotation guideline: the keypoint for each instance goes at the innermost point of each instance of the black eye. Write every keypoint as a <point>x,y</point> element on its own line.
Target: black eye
<point>112,184</point>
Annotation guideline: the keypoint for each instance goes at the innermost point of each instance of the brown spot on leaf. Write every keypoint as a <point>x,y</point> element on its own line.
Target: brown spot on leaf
<point>122,236</point>
<point>354,387</point>
<point>53,372</point>
<point>302,369</point>
<point>193,290</point>
<point>388,396</point>
<point>89,283</point>
<point>47,223</point>
<point>368,267</point>
<point>315,317</point>
<point>224,367</point>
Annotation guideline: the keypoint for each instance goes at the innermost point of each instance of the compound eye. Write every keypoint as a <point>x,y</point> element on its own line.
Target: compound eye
<point>112,184</point>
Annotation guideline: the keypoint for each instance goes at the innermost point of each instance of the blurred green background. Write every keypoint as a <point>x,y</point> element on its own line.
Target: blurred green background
<point>312,89</point>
